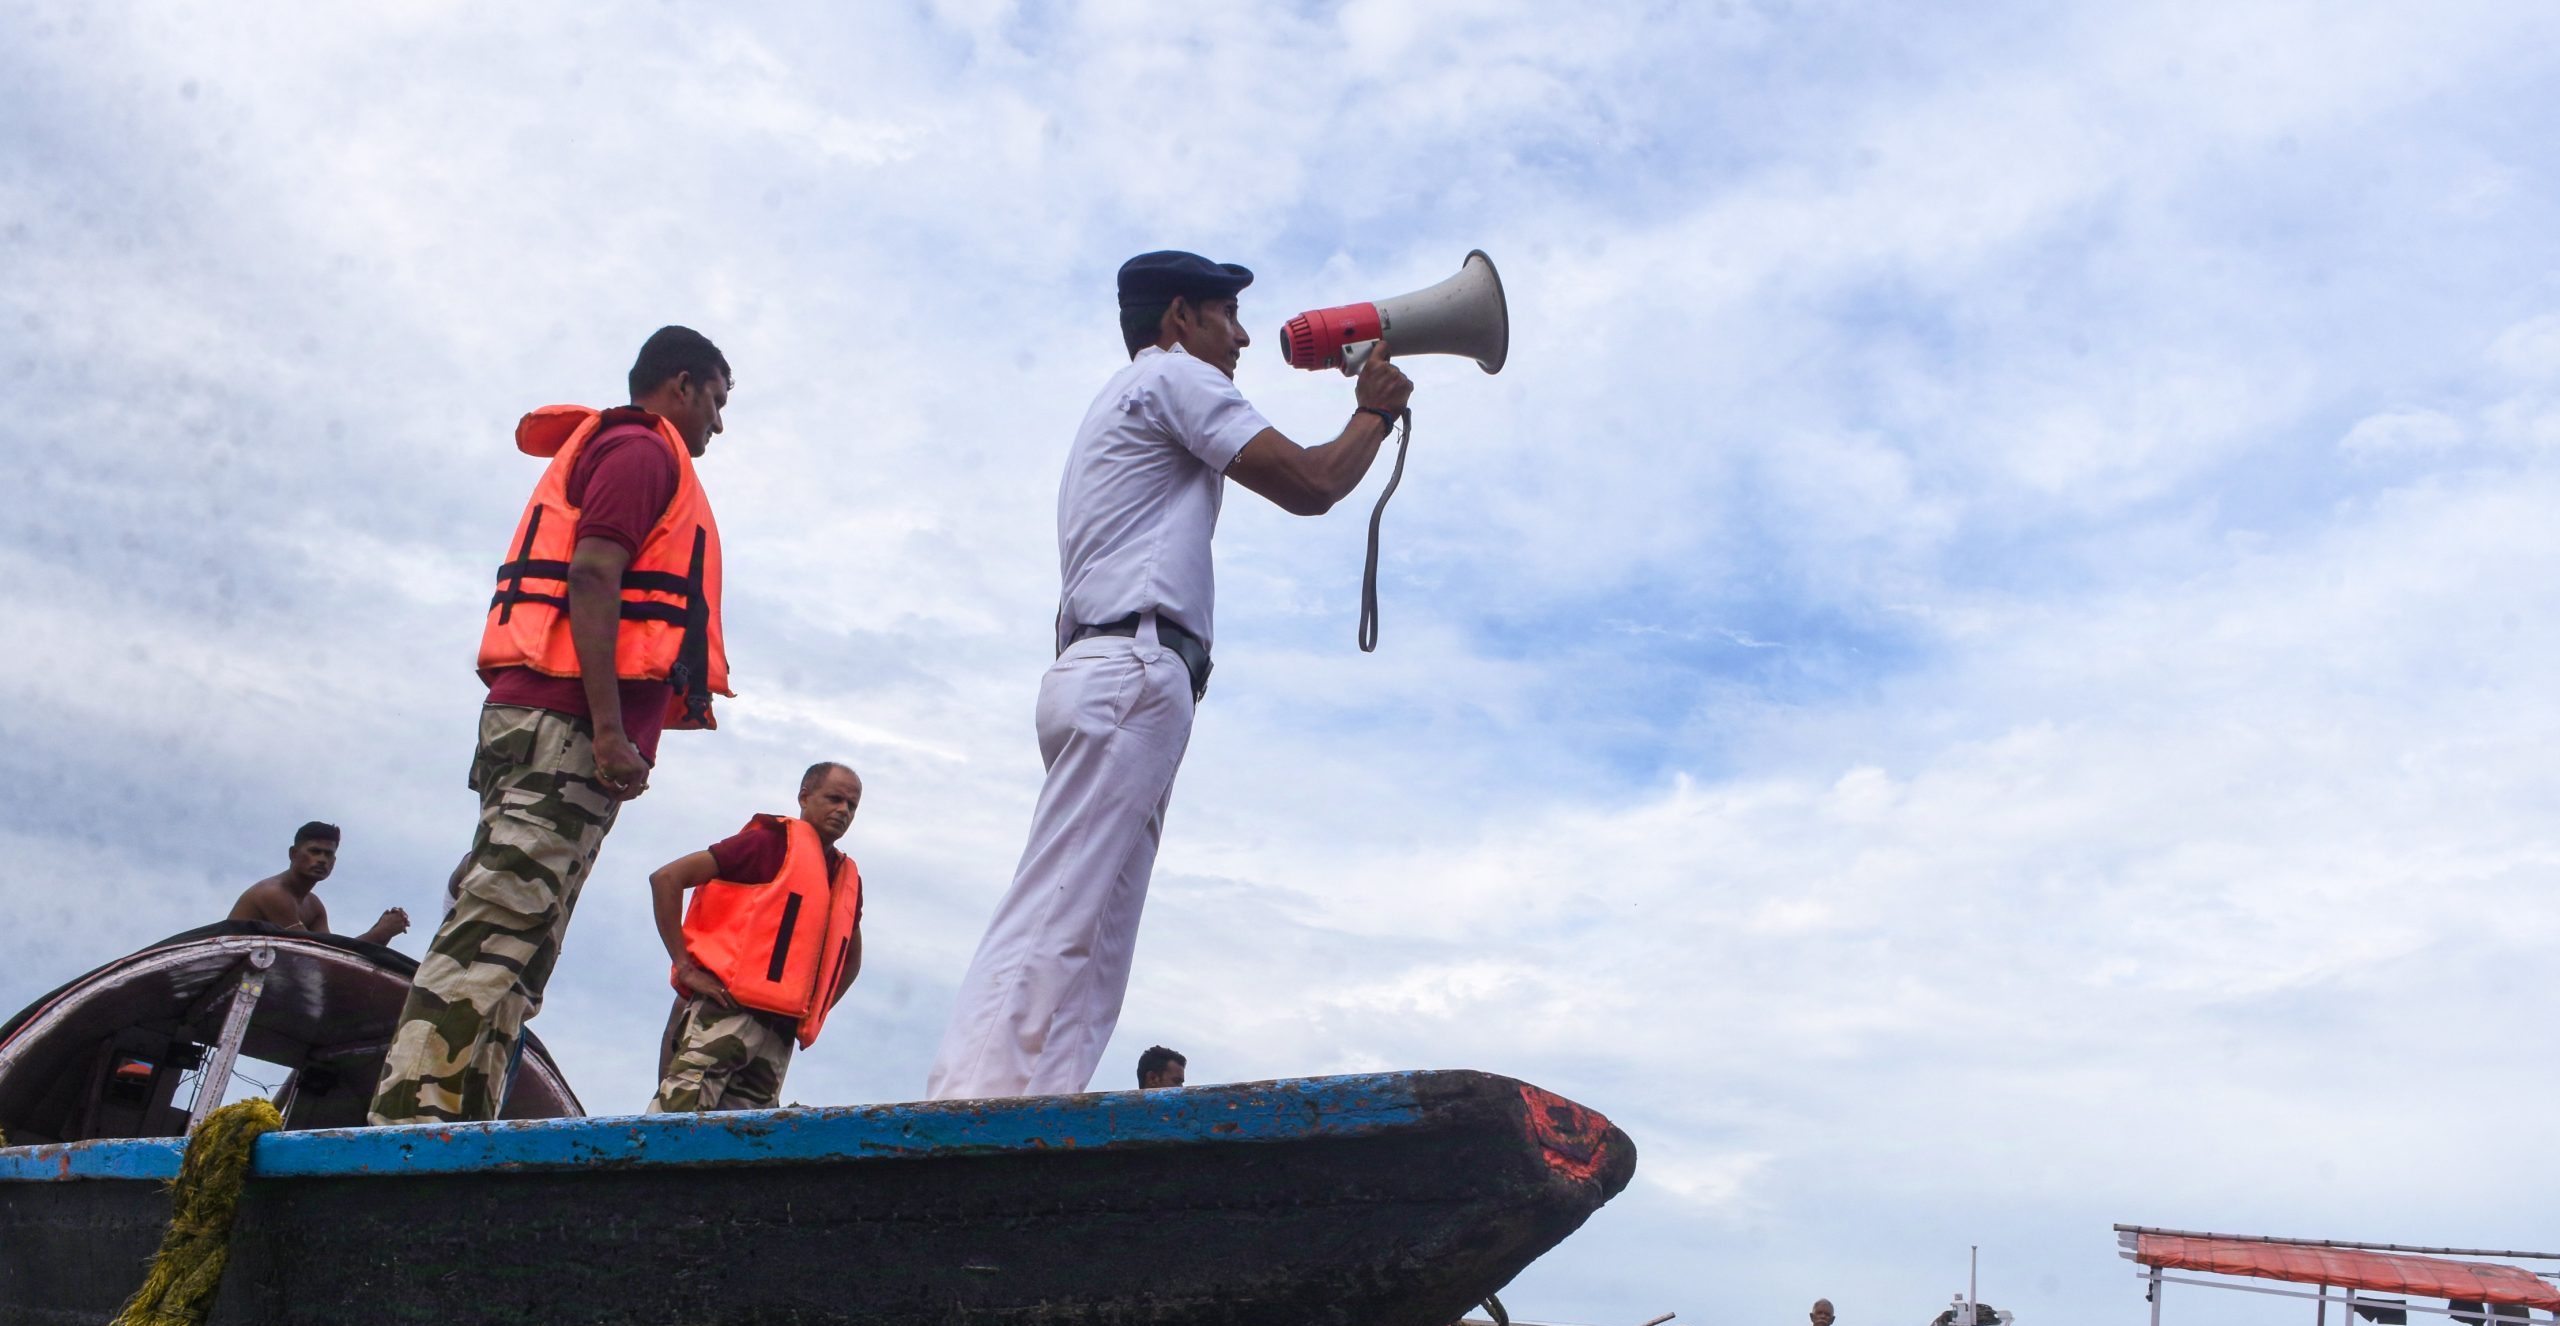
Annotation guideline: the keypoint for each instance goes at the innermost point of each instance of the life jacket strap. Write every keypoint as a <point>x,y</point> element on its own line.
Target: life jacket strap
<point>507,585</point>
<point>691,675</point>
<point>511,590</point>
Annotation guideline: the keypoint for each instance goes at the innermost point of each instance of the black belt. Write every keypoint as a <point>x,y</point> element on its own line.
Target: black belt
<point>1185,646</point>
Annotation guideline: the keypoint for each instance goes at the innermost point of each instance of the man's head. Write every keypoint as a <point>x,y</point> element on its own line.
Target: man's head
<point>683,378</point>
<point>1160,1067</point>
<point>1171,298</point>
<point>315,851</point>
<point>829,795</point>
<point>1822,1312</point>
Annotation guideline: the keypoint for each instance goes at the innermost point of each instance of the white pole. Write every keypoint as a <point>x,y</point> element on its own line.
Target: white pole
<point>235,1028</point>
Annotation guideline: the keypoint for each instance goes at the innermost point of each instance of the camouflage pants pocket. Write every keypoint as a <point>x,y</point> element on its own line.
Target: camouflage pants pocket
<point>543,814</point>
<point>725,1059</point>
<point>506,742</point>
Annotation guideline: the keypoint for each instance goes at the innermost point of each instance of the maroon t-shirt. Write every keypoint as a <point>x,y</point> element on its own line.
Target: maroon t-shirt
<point>621,484</point>
<point>753,855</point>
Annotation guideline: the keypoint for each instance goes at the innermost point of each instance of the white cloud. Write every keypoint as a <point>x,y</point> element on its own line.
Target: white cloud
<point>2397,432</point>
<point>2529,349</point>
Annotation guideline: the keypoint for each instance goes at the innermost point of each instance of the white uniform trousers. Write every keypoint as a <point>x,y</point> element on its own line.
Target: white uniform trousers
<point>1043,993</point>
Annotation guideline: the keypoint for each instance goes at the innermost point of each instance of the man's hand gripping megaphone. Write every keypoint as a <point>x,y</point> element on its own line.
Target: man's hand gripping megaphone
<point>1380,385</point>
<point>1464,315</point>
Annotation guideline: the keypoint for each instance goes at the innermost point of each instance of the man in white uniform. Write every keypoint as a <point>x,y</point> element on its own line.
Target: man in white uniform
<point>1135,514</point>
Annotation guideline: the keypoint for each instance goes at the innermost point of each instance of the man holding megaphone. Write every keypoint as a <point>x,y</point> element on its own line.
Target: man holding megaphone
<point>1136,511</point>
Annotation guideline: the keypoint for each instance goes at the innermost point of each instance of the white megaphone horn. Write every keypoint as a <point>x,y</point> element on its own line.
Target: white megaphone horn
<point>1463,315</point>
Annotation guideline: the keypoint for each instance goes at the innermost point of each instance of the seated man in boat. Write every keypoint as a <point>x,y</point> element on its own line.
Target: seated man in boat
<point>286,899</point>
<point>773,939</point>
<point>1160,1067</point>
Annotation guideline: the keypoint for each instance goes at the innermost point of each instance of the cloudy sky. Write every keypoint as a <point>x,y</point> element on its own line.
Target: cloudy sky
<point>1985,670</point>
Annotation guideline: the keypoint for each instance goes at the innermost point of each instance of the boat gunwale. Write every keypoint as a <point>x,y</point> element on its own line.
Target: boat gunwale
<point>1286,1110</point>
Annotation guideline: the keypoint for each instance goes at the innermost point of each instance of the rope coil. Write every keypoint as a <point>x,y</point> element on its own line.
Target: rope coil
<point>187,1271</point>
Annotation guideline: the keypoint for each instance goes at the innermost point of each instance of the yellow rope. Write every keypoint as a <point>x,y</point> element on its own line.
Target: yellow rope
<point>179,1291</point>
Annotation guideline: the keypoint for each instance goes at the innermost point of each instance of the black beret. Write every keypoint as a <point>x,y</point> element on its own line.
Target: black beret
<point>1156,278</point>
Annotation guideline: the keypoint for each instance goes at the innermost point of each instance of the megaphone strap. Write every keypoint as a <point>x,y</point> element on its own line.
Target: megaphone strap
<point>1369,571</point>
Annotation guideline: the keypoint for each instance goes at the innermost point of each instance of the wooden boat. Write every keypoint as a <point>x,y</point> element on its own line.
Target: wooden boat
<point>1393,1199</point>
<point>109,1054</point>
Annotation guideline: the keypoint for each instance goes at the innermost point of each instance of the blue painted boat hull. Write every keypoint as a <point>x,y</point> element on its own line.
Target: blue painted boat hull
<point>1382,1200</point>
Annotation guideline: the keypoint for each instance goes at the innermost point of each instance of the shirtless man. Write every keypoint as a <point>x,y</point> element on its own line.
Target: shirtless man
<point>285,900</point>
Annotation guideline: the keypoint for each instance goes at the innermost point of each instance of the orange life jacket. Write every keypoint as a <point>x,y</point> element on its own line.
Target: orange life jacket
<point>670,628</point>
<point>787,946</point>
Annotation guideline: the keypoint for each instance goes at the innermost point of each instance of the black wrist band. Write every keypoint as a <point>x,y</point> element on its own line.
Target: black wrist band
<point>1387,417</point>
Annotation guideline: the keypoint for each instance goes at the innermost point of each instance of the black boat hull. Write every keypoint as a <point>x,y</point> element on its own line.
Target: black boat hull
<point>1392,1200</point>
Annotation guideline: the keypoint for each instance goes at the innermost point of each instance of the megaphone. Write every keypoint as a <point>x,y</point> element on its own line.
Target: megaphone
<point>1463,315</point>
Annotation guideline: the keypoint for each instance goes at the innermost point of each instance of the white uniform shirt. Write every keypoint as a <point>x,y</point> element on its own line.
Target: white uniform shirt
<point>1140,498</point>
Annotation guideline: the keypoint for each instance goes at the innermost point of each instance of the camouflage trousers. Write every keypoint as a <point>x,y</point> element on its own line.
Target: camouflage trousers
<point>723,1059</point>
<point>543,815</point>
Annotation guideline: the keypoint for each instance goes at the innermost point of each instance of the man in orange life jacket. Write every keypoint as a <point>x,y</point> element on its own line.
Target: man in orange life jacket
<point>773,940</point>
<point>605,630</point>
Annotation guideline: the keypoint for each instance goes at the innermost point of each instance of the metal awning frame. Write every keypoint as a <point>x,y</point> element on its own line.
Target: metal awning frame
<point>2154,1278</point>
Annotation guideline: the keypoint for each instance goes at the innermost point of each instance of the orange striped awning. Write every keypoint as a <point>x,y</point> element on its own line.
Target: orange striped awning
<point>2349,1268</point>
